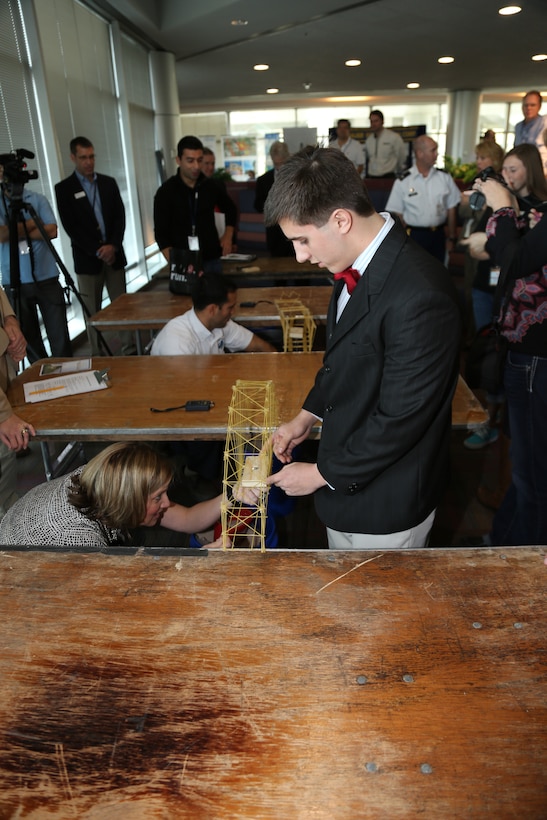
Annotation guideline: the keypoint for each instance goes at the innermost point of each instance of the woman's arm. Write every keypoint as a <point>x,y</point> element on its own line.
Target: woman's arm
<point>200,517</point>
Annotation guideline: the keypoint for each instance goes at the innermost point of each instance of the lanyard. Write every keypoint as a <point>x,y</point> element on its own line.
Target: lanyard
<point>193,209</point>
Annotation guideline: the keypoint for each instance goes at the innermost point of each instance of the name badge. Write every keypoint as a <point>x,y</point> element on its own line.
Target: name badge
<point>79,194</point>
<point>23,247</point>
<point>193,243</point>
<point>494,276</point>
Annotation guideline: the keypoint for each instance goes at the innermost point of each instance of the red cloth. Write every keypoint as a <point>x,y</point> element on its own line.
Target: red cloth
<point>351,277</point>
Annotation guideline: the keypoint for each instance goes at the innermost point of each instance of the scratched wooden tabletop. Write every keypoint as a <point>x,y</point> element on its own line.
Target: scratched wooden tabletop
<point>151,310</point>
<point>139,382</point>
<point>277,685</point>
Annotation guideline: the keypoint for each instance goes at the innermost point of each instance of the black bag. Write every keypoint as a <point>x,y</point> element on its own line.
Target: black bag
<point>486,359</point>
<point>184,269</point>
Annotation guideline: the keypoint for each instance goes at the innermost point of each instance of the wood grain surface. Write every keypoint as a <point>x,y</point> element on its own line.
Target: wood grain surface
<point>152,310</point>
<point>277,685</point>
<point>141,382</point>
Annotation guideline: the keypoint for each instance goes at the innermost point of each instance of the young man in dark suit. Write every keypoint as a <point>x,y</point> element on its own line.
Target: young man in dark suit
<point>390,367</point>
<point>93,215</point>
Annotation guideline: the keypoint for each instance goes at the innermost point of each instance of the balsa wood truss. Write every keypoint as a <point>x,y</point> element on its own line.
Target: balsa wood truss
<point>247,464</point>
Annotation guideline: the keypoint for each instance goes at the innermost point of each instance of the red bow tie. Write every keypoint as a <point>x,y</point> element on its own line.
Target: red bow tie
<point>350,276</point>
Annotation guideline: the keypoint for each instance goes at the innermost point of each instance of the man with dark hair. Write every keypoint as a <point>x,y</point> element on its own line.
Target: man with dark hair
<point>208,327</point>
<point>533,128</point>
<point>348,146</point>
<point>93,215</point>
<point>184,208</point>
<point>385,152</point>
<point>390,369</point>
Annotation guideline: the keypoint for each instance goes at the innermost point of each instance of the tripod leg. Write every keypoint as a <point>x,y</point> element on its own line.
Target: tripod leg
<point>101,343</point>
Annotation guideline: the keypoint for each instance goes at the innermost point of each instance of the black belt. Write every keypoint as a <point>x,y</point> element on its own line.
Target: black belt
<point>420,228</point>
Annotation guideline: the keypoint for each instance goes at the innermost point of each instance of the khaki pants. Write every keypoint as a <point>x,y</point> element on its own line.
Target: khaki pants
<point>415,538</point>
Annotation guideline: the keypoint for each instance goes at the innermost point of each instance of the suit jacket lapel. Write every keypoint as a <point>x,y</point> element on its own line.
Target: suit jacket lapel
<point>370,284</point>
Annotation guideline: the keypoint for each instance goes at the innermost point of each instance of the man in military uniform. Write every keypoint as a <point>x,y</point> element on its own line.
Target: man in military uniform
<point>426,199</point>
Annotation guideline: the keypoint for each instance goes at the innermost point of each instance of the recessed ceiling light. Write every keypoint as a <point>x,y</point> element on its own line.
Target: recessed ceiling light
<point>261,67</point>
<point>240,23</point>
<point>272,91</point>
<point>413,85</point>
<point>508,10</point>
<point>346,99</point>
<point>352,63</point>
<point>537,58</point>
<point>445,60</point>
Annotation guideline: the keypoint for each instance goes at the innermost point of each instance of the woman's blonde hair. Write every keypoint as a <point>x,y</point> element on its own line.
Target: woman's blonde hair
<point>494,152</point>
<point>113,488</point>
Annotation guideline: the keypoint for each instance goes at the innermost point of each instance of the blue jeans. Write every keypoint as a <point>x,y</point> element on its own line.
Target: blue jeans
<point>522,516</point>
<point>483,304</point>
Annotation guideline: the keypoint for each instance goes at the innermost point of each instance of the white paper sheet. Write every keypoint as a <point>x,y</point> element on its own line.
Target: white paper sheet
<point>64,386</point>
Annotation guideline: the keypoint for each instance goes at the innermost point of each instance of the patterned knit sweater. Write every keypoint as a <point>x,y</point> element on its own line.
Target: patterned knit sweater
<point>45,517</point>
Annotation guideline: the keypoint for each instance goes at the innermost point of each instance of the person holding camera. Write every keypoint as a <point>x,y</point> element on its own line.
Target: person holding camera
<point>518,243</point>
<point>38,286</point>
<point>480,279</point>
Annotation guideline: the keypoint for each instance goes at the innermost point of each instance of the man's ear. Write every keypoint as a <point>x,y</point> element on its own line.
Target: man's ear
<point>342,220</point>
<point>210,309</point>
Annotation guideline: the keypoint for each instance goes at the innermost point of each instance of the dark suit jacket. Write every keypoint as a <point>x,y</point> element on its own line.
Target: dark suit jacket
<point>80,223</point>
<point>385,392</point>
<point>277,242</point>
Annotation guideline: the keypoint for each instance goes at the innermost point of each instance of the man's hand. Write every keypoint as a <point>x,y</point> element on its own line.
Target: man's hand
<point>107,254</point>
<point>298,478</point>
<point>15,433</point>
<point>227,240</point>
<point>17,347</point>
<point>288,435</point>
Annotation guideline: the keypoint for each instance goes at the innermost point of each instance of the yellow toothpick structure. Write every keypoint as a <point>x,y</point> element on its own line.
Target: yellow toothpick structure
<point>297,324</point>
<point>247,463</point>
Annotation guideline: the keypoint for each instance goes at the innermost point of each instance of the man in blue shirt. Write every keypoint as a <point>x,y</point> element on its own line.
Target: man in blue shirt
<point>39,277</point>
<point>532,128</point>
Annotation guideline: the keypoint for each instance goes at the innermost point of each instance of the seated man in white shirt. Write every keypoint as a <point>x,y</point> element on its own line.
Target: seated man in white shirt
<point>208,327</point>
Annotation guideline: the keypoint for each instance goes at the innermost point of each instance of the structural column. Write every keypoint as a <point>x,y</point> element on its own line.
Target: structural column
<point>166,106</point>
<point>463,124</point>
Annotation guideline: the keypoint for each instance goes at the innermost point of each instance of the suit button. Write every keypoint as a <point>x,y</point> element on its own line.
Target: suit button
<point>352,489</point>
<point>326,369</point>
<point>329,408</point>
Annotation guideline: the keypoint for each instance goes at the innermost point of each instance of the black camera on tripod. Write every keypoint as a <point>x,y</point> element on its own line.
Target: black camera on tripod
<point>477,200</point>
<point>15,168</point>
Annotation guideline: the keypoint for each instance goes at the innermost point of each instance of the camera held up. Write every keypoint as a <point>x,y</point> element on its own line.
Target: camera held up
<point>477,200</point>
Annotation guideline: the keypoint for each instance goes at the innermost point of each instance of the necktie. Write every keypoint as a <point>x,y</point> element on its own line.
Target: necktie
<point>350,276</point>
